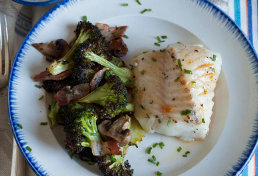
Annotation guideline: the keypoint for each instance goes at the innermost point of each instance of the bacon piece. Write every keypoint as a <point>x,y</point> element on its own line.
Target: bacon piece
<point>66,94</point>
<point>111,147</point>
<point>111,33</point>
<point>45,75</point>
<point>118,47</point>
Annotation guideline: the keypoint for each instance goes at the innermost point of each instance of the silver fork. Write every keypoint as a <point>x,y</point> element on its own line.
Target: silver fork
<point>4,52</point>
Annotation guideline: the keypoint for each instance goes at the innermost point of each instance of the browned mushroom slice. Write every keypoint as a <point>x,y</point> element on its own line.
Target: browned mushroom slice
<point>97,78</point>
<point>118,47</point>
<point>117,130</point>
<point>53,50</point>
<point>45,75</point>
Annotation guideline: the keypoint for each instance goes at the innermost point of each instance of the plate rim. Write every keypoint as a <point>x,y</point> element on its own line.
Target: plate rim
<point>43,3</point>
<point>246,155</point>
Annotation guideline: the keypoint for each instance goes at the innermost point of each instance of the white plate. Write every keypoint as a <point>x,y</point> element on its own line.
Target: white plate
<point>233,132</point>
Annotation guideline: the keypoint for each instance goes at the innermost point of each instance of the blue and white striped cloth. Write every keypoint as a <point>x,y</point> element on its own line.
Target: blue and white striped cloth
<point>245,14</point>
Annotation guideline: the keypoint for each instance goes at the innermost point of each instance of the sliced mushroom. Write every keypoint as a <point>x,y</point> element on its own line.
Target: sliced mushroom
<point>53,50</point>
<point>46,75</point>
<point>117,130</point>
<point>97,78</point>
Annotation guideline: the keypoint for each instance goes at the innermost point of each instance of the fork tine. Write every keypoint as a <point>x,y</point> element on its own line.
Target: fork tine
<point>6,49</point>
<point>1,63</point>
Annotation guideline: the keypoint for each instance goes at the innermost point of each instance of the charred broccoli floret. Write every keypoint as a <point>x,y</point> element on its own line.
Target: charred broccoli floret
<point>112,96</point>
<point>85,31</point>
<point>114,165</point>
<point>81,75</point>
<point>122,72</point>
<point>80,126</point>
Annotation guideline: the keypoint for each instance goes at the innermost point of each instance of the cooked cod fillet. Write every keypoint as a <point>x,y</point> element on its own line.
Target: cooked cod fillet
<point>174,90</point>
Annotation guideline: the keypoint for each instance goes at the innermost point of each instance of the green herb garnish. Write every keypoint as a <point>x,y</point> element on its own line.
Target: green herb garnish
<point>125,4</point>
<point>138,2</point>
<point>28,148</point>
<point>153,59</point>
<point>38,86</point>
<point>187,71</point>
<point>179,64</point>
<point>148,116</point>
<point>164,36</point>
<point>115,34</point>
<point>84,18</point>
<point>214,57</point>
<point>125,36</point>
<point>179,43</point>
<point>203,121</point>
<point>158,173</point>
<point>186,112</point>
<point>157,164</point>
<point>169,121</point>
<point>20,126</point>
<point>193,82</point>
<point>142,72</point>
<point>43,123</point>
<point>157,44</point>
<point>151,161</point>
<point>176,79</point>
<point>159,120</point>
<point>40,98</point>
<point>146,10</point>
<point>148,150</point>
<point>155,145</point>
<point>142,106</point>
<point>162,50</point>
<point>179,149</point>
<point>161,145</point>
<point>135,89</point>
<point>154,158</point>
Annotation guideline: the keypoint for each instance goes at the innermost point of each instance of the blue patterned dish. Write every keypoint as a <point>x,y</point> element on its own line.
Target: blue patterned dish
<point>36,2</point>
<point>233,132</point>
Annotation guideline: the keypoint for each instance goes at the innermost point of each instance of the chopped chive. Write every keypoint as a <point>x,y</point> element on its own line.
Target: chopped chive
<point>28,148</point>
<point>155,145</point>
<point>125,36</point>
<point>176,79</point>
<point>184,155</point>
<point>187,71</point>
<point>84,18</point>
<point>179,149</point>
<point>179,43</point>
<point>214,57</point>
<point>162,50</point>
<point>40,98</point>
<point>164,36</point>
<point>38,86</point>
<point>213,70</point>
<point>125,4</point>
<point>157,164</point>
<point>159,121</point>
<point>115,34</point>
<point>148,150</point>
<point>20,126</point>
<point>186,112</point>
<point>161,145</point>
<point>203,121</point>
<point>193,82</point>
<point>179,64</point>
<point>144,52</point>
<point>187,152</point>
<point>157,44</point>
<point>158,38</point>
<point>154,158</point>
<point>135,89</point>
<point>138,2</point>
<point>43,123</point>
<point>153,59</point>
<point>158,173</point>
<point>71,155</point>
<point>142,106</point>
<point>148,116</point>
<point>146,10</point>
<point>169,121</point>
<point>151,161</point>
<point>142,72</point>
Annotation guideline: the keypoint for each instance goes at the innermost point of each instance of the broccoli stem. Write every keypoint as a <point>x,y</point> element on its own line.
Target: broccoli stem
<point>99,95</point>
<point>122,72</point>
<point>66,62</point>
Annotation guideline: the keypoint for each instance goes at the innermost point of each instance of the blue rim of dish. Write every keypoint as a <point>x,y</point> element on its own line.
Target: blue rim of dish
<point>29,3</point>
<point>236,169</point>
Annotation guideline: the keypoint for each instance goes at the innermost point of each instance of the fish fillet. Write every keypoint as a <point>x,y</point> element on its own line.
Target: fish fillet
<point>174,90</point>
